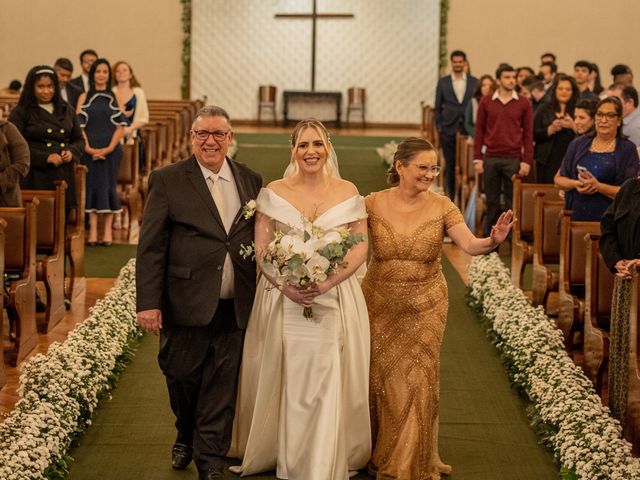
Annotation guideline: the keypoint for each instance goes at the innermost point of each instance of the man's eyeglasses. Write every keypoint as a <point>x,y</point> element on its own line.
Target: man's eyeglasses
<point>606,115</point>
<point>203,135</point>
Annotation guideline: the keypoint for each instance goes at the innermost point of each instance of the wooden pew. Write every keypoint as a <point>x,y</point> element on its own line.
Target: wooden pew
<point>20,260</point>
<point>172,122</point>
<point>632,417</point>
<point>546,248</point>
<point>75,238</point>
<point>522,232</point>
<point>3,373</point>
<point>150,149</point>
<point>597,314</point>
<point>160,134</point>
<point>50,243</point>
<point>128,185</point>
<point>572,275</point>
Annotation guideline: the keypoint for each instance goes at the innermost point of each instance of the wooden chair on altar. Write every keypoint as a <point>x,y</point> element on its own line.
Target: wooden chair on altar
<point>129,187</point>
<point>597,314</point>
<point>267,99</point>
<point>522,233</point>
<point>356,99</point>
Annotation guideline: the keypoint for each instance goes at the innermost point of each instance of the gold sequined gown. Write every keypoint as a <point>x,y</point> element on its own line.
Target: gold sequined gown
<point>407,298</point>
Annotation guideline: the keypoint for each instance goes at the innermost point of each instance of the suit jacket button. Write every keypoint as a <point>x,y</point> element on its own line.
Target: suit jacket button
<point>219,267</point>
<point>228,244</point>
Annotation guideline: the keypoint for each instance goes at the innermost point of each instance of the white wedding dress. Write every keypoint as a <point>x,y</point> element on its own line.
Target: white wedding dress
<point>303,398</point>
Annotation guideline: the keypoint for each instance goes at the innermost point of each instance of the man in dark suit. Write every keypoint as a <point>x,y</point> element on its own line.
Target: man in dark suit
<point>69,92</point>
<point>194,287</point>
<point>87,58</point>
<point>452,97</point>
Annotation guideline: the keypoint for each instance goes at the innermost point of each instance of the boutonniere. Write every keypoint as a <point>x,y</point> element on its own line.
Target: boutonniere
<point>249,209</point>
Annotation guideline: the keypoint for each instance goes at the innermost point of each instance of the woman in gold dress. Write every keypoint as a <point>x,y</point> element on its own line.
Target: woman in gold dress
<point>406,295</point>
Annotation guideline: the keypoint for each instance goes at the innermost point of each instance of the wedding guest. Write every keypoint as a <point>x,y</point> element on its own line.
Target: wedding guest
<point>406,294</point>
<point>521,74</point>
<point>554,128</point>
<point>548,57</point>
<point>103,125</point>
<point>621,73</point>
<point>584,116</point>
<point>68,91</point>
<point>486,86</point>
<point>133,102</point>
<point>51,128</point>
<point>620,230</point>
<point>533,89</point>
<point>595,83</point>
<point>596,165</point>
<point>548,71</point>
<point>87,57</point>
<point>453,94</point>
<point>13,90</point>
<point>302,406</point>
<point>14,164</point>
<point>581,72</point>
<point>505,127</point>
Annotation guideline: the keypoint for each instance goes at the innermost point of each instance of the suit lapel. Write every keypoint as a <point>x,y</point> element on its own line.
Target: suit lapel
<point>200,184</point>
<point>243,194</point>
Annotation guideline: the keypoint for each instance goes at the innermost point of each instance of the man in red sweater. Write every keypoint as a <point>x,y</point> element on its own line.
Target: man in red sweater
<point>505,127</point>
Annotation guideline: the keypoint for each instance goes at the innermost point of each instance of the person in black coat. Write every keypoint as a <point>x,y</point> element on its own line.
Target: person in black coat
<point>553,127</point>
<point>453,94</point>
<point>50,127</point>
<point>620,230</point>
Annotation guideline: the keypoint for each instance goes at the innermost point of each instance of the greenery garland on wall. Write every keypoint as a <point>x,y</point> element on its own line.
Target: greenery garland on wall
<point>186,44</point>
<point>185,86</point>
<point>444,17</point>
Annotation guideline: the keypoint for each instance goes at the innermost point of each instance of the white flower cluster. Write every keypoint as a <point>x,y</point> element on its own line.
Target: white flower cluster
<point>585,438</point>
<point>59,391</point>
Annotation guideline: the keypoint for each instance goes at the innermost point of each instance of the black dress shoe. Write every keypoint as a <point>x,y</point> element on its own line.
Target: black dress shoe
<point>105,244</point>
<point>214,473</point>
<point>92,244</point>
<point>181,456</point>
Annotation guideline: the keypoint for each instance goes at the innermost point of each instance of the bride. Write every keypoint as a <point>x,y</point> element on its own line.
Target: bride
<point>303,393</point>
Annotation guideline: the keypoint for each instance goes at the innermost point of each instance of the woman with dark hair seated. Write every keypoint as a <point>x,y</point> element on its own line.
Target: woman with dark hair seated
<point>51,128</point>
<point>553,127</point>
<point>596,165</point>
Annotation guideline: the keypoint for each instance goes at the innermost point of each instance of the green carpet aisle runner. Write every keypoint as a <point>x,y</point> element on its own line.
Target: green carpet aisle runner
<point>484,432</point>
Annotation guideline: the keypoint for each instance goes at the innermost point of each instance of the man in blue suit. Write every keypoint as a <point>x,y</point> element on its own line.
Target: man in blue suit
<point>452,97</point>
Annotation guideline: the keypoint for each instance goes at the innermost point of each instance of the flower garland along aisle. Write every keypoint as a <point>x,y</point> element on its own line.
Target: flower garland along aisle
<point>60,390</point>
<point>565,409</point>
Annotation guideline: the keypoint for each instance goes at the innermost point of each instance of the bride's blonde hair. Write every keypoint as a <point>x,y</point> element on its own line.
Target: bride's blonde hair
<point>324,136</point>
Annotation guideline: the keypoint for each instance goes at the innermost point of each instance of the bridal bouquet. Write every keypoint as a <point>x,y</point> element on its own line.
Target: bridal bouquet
<point>304,257</point>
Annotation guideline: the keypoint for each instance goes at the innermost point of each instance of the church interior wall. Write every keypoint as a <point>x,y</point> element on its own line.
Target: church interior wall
<point>145,33</point>
<point>493,31</point>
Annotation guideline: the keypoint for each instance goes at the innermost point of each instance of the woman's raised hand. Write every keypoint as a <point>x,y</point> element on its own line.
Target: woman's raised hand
<point>502,227</point>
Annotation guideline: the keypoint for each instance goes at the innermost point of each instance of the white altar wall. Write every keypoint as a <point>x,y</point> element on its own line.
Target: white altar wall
<point>389,48</point>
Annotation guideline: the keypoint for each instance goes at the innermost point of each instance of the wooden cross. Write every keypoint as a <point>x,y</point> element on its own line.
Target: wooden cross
<point>314,17</point>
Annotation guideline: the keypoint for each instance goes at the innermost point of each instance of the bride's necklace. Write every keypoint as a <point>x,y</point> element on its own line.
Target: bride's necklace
<point>598,147</point>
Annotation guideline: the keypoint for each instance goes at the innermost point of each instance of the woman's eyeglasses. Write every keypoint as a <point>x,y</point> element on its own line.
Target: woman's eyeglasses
<point>606,115</point>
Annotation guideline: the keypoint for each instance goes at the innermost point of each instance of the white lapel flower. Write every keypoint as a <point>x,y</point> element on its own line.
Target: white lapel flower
<point>249,209</point>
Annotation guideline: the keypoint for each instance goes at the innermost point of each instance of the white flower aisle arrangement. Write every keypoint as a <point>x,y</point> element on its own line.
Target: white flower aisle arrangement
<point>565,408</point>
<point>304,257</point>
<point>60,390</point>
